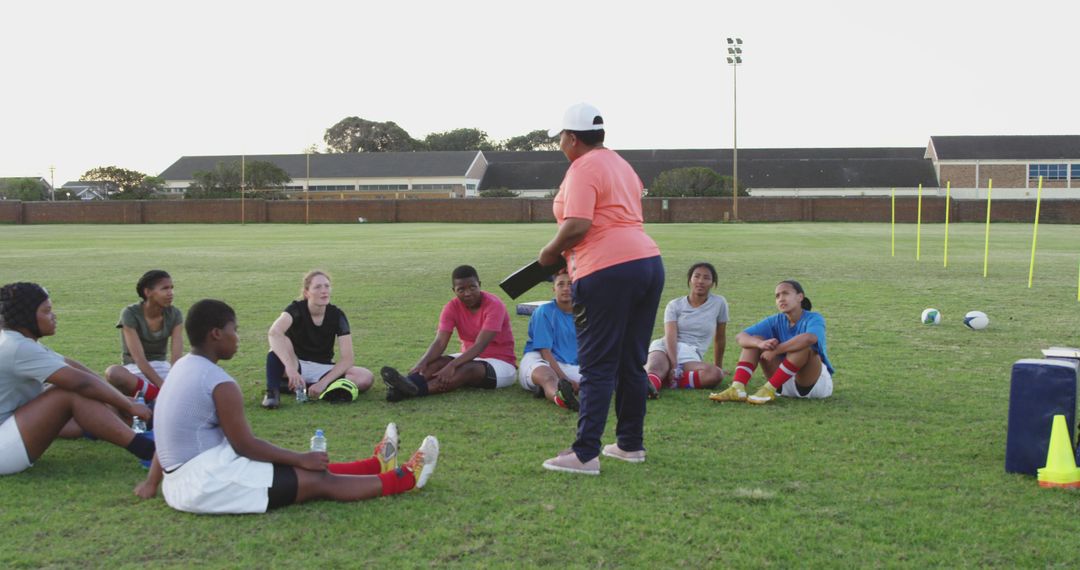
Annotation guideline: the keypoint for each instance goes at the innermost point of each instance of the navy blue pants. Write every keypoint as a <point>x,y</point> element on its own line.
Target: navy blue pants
<point>614,311</point>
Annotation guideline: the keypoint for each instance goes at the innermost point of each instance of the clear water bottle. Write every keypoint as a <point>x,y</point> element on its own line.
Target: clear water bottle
<point>138,425</point>
<point>301,395</point>
<point>318,441</point>
<point>676,377</point>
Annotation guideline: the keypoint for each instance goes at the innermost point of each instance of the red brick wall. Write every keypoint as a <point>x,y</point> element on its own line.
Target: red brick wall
<point>679,210</point>
<point>1003,175</point>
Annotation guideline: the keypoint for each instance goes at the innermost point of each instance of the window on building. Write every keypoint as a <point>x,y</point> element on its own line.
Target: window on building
<point>384,186</point>
<point>470,186</point>
<point>331,188</point>
<point>1048,171</point>
<point>1076,172</point>
<point>433,186</point>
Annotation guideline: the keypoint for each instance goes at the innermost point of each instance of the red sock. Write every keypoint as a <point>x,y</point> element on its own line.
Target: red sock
<point>785,372</point>
<point>149,391</point>
<point>369,466</point>
<point>397,481</point>
<point>655,381</point>
<point>691,379</point>
<point>743,371</point>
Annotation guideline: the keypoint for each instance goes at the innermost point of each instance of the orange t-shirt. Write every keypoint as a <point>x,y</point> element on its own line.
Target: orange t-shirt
<point>602,187</point>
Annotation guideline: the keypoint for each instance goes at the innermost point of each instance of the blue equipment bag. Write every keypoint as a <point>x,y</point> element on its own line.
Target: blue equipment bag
<point>1040,390</point>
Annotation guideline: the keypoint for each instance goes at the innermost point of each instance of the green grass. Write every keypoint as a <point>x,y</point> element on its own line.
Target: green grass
<point>903,466</point>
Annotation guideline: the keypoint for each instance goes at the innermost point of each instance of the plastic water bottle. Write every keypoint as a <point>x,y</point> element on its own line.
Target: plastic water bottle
<point>138,425</point>
<point>318,441</point>
<point>677,377</point>
<point>301,395</point>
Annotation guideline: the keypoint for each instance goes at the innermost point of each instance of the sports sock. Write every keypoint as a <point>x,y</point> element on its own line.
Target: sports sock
<point>743,371</point>
<point>691,379</point>
<point>275,371</point>
<point>785,372</point>
<point>369,466</point>
<point>655,381</point>
<point>397,481</point>
<point>141,447</point>
<point>421,384</point>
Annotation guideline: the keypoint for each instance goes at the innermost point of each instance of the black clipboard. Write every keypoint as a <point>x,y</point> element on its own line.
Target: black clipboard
<point>520,281</point>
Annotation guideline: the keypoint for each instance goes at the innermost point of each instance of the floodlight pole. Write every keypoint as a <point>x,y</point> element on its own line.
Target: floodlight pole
<point>52,183</point>
<point>243,182</point>
<point>307,203</point>
<point>735,59</point>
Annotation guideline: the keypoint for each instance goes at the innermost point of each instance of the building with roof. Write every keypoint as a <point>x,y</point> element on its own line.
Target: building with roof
<point>965,163</point>
<point>455,174</point>
<point>1013,163</point>
<point>89,189</point>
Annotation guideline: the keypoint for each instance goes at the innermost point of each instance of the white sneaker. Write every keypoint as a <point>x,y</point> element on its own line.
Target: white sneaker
<point>613,450</point>
<point>567,462</point>
<point>386,450</point>
<point>422,463</point>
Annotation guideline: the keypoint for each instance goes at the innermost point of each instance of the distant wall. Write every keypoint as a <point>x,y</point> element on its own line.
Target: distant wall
<point>669,210</point>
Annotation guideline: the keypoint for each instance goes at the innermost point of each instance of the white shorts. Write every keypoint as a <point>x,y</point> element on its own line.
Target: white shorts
<point>505,373</point>
<point>160,366</point>
<point>687,353</point>
<point>218,481</point>
<point>312,372</point>
<point>823,388</point>
<point>532,359</point>
<point>13,456</point>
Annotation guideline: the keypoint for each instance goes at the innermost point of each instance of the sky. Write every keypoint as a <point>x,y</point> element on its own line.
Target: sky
<point>139,84</point>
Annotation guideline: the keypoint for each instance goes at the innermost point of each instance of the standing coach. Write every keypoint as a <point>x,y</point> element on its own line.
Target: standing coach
<point>617,277</point>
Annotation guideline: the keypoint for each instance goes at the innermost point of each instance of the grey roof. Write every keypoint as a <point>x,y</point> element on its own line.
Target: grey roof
<point>72,184</point>
<point>1019,147</point>
<point>340,165</point>
<point>758,168</point>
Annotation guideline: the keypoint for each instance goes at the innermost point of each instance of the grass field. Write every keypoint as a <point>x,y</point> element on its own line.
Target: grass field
<point>903,466</point>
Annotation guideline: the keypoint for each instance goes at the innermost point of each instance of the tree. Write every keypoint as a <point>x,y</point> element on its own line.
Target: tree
<point>695,181</point>
<point>353,134</point>
<point>25,189</point>
<point>459,139</point>
<point>129,184</point>
<point>498,193</point>
<point>534,140</point>
<point>225,179</point>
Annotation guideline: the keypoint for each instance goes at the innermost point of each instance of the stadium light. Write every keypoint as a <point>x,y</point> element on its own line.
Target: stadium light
<point>734,59</point>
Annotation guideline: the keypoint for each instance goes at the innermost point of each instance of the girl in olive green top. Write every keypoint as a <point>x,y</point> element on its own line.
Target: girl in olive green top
<point>151,337</point>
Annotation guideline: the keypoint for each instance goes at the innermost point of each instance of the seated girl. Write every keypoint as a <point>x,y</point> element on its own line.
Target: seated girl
<point>302,345</point>
<point>691,324</point>
<point>789,346</point>
<point>32,415</point>
<point>209,462</point>
<point>148,330</point>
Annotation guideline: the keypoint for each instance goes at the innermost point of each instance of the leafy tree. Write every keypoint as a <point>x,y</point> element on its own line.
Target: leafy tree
<point>459,139</point>
<point>129,184</point>
<point>25,189</point>
<point>534,140</point>
<point>695,181</point>
<point>353,134</point>
<point>498,193</point>
<point>225,179</point>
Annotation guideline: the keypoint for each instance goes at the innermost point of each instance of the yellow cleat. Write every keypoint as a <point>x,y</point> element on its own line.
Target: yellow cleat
<point>735,393</point>
<point>764,395</point>
<point>387,448</point>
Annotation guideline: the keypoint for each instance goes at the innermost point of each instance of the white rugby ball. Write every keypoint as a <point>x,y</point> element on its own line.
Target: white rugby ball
<point>931,317</point>
<point>976,320</point>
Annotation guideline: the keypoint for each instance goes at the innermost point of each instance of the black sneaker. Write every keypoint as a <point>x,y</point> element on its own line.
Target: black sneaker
<point>566,392</point>
<point>396,385</point>
<point>272,400</point>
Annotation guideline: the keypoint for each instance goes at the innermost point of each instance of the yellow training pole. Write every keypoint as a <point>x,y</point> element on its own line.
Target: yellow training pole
<point>918,228</point>
<point>1078,287</point>
<point>948,185</point>
<point>1035,233</point>
<point>892,223</point>
<point>986,250</point>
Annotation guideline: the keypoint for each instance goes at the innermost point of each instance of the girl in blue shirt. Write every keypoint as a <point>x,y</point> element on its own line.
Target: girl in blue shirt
<point>789,346</point>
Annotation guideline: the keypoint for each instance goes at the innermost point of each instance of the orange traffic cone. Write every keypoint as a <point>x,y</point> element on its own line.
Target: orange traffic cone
<point>1060,470</point>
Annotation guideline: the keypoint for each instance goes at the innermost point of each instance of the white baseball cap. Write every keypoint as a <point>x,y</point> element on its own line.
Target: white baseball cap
<point>580,117</point>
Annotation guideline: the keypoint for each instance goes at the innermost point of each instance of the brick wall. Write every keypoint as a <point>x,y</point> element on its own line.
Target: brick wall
<point>961,175</point>
<point>1004,175</point>
<point>678,210</point>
